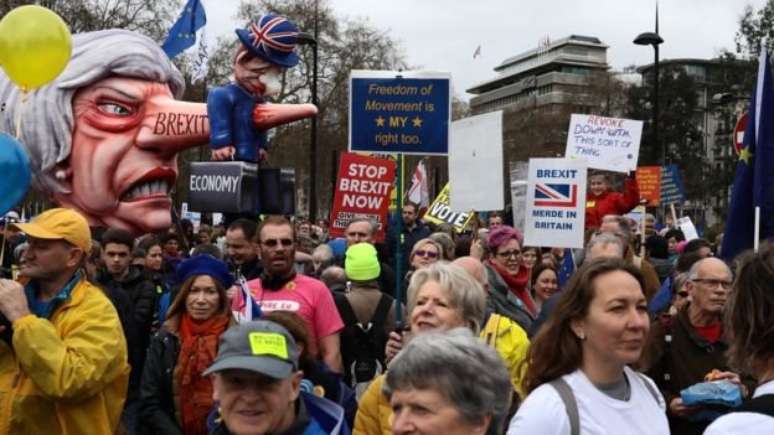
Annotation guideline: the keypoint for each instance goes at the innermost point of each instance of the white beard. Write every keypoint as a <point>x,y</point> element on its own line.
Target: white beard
<point>271,80</point>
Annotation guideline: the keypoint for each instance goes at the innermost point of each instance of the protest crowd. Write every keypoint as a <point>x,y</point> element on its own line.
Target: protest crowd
<point>586,315</point>
<point>149,333</point>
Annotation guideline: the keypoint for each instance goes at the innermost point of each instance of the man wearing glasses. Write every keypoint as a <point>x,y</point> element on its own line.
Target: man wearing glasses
<point>280,288</point>
<point>684,350</point>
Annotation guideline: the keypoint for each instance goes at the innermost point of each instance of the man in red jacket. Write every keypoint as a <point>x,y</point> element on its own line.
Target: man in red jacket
<point>600,201</point>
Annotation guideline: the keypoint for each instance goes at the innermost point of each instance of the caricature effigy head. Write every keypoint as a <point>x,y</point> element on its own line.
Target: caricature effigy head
<point>103,138</point>
<point>267,48</point>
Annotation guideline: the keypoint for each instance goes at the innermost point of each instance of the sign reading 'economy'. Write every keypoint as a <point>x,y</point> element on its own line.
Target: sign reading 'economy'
<point>399,112</point>
<point>556,203</point>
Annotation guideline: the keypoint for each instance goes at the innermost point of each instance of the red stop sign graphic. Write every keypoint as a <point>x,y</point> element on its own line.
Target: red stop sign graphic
<point>741,126</point>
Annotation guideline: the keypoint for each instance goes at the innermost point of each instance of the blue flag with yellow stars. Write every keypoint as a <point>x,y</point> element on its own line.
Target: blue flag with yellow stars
<point>754,180</point>
<point>182,35</point>
<point>567,268</point>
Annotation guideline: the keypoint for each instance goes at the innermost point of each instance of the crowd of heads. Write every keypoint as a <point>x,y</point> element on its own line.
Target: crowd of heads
<point>597,314</point>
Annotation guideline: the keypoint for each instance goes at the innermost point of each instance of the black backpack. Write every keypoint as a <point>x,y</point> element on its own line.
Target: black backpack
<point>763,404</point>
<point>362,345</point>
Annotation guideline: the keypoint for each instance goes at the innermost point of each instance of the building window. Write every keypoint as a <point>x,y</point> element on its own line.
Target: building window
<point>697,72</point>
<point>576,70</point>
<point>578,51</point>
<point>545,89</point>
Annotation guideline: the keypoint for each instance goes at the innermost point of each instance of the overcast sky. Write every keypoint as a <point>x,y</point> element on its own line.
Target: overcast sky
<point>442,35</point>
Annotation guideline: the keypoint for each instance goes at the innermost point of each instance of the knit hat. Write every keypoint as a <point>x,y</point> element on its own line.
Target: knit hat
<point>205,264</point>
<point>361,262</point>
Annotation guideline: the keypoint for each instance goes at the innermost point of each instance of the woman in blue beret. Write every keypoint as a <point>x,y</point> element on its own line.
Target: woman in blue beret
<point>175,397</point>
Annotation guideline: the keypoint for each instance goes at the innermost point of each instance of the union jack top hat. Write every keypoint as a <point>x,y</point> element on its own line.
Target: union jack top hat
<point>271,38</point>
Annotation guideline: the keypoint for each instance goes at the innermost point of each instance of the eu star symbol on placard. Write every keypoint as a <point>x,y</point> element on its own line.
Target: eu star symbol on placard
<point>379,121</point>
<point>417,121</point>
<point>745,155</point>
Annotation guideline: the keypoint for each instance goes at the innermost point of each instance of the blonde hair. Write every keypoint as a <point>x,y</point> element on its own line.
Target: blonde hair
<point>465,294</point>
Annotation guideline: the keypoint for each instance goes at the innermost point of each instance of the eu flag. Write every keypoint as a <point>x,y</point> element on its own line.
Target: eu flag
<point>754,180</point>
<point>182,35</point>
<point>567,268</point>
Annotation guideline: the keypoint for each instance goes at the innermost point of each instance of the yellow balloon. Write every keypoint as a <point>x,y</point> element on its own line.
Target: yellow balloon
<point>35,46</point>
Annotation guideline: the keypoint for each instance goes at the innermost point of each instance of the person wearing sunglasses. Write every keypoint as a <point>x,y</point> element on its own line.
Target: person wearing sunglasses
<point>683,350</point>
<point>280,288</point>
<point>508,277</point>
<point>424,253</point>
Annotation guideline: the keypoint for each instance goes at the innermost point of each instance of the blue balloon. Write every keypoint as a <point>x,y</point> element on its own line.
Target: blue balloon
<point>15,174</point>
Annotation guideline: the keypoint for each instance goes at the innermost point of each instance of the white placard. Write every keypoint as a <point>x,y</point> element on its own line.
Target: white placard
<point>688,229</point>
<point>476,163</point>
<point>193,216</point>
<point>611,144</point>
<point>519,174</point>
<point>636,214</point>
<point>556,203</point>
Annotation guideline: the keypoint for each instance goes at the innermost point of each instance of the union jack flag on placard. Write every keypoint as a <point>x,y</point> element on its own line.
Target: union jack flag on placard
<point>556,195</point>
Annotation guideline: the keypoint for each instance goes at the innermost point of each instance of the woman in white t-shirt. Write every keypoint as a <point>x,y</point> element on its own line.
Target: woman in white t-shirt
<point>577,373</point>
<point>749,315</point>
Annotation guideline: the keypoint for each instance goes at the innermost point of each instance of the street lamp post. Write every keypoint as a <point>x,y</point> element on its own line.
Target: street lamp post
<point>306,38</point>
<point>653,38</point>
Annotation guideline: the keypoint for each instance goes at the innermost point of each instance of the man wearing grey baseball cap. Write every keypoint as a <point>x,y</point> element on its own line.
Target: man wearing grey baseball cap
<point>257,382</point>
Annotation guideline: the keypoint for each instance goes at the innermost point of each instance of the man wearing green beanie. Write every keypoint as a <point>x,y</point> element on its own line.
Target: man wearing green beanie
<point>368,315</point>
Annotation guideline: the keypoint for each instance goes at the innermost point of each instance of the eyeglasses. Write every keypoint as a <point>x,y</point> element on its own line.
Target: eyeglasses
<point>428,254</point>
<point>507,254</point>
<point>714,283</point>
<point>272,243</point>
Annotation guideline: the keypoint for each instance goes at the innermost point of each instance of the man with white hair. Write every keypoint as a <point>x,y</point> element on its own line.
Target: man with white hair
<point>688,347</point>
<point>605,245</point>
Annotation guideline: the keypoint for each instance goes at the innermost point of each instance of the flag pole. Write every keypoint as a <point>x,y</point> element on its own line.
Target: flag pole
<point>674,214</point>
<point>756,241</point>
<point>399,243</point>
<point>642,233</point>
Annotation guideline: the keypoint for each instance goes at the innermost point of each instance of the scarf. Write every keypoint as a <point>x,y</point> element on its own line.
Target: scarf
<point>198,348</point>
<point>517,284</point>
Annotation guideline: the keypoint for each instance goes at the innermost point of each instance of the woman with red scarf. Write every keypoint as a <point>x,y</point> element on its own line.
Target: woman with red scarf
<point>509,278</point>
<point>175,397</point>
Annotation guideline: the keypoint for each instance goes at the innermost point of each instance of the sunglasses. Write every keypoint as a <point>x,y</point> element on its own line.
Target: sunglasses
<point>715,283</point>
<point>682,294</point>
<point>428,254</point>
<point>274,242</point>
<point>508,254</point>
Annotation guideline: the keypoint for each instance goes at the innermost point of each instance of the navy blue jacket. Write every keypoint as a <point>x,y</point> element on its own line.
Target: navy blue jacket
<point>230,109</point>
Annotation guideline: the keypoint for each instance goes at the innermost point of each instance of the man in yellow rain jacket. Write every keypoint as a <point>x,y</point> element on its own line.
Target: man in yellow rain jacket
<point>63,363</point>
